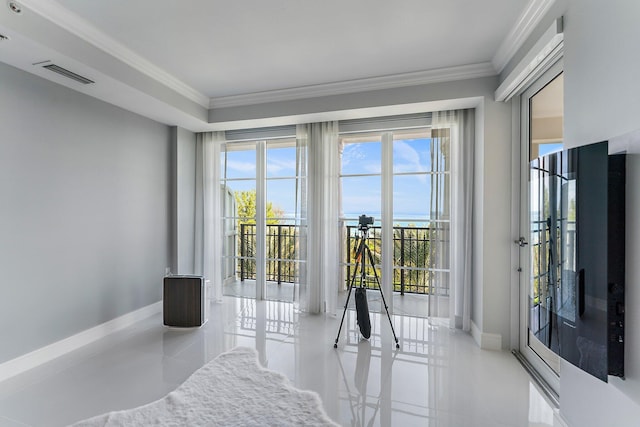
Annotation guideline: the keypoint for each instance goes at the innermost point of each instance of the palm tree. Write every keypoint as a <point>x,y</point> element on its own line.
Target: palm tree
<point>246,214</point>
<point>411,249</point>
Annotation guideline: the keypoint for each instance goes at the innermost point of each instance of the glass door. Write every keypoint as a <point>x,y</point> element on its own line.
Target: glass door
<point>401,177</point>
<point>283,254</point>
<point>421,220</point>
<point>239,179</point>
<point>261,247</point>
<point>541,222</point>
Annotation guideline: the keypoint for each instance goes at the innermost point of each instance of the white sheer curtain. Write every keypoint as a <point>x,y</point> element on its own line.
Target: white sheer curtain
<point>319,206</point>
<point>301,298</point>
<point>208,232</point>
<point>454,131</point>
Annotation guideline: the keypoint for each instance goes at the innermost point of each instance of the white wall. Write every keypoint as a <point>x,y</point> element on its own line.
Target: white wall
<point>602,94</point>
<point>402,100</point>
<point>602,101</point>
<point>84,212</point>
<point>496,234</point>
<point>183,178</point>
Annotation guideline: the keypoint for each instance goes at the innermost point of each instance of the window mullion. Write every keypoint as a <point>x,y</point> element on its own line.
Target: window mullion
<point>387,218</point>
<point>261,221</point>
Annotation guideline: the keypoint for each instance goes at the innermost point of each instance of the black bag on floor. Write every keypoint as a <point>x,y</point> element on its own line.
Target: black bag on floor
<point>362,311</point>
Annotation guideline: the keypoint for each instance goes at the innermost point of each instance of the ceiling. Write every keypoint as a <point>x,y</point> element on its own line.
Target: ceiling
<point>223,47</point>
<point>193,56</point>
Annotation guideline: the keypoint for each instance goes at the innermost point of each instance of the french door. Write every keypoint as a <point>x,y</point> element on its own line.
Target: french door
<point>260,249</point>
<point>401,177</point>
<point>541,133</point>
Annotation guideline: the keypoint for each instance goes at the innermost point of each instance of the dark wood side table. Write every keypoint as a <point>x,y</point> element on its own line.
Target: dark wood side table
<point>184,301</point>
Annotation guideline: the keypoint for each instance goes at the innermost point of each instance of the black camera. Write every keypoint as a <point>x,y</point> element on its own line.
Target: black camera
<point>364,222</point>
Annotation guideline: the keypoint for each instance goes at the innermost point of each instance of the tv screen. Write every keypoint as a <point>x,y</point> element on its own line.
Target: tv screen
<point>584,215</point>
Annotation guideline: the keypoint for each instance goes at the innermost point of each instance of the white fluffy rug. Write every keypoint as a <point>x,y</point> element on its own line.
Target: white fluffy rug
<point>231,390</point>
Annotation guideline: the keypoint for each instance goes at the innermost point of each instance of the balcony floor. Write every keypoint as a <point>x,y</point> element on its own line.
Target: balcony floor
<point>247,289</point>
<point>416,305</point>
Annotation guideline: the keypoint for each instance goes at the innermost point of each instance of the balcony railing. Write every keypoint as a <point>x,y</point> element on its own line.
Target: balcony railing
<point>412,253</point>
<point>281,244</point>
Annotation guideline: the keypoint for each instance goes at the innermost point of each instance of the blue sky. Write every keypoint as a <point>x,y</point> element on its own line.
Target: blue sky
<point>410,192</point>
<point>544,149</point>
<point>361,194</point>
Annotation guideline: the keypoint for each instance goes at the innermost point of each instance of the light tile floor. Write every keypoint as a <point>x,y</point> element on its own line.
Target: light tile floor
<point>439,377</point>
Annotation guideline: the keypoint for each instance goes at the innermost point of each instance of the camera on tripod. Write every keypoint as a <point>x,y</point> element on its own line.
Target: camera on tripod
<point>364,222</point>
<point>362,255</point>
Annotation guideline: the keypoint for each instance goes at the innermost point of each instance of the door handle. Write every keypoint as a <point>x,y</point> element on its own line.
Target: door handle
<point>580,290</point>
<point>521,242</point>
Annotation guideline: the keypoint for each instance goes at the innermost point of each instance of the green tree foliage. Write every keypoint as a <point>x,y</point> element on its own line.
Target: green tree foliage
<point>246,208</point>
<point>246,212</point>
<point>411,248</point>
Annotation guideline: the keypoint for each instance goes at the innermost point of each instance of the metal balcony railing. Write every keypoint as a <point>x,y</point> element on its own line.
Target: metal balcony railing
<point>413,254</point>
<point>281,245</point>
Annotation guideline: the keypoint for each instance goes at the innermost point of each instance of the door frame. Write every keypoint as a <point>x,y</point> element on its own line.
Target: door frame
<point>521,227</point>
<point>260,147</point>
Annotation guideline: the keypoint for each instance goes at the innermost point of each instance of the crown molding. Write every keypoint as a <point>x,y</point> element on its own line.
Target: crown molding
<point>524,26</point>
<point>439,75</point>
<point>547,50</point>
<point>74,24</point>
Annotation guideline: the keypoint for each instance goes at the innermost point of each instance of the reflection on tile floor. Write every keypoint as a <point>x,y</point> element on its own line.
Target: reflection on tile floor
<point>438,377</point>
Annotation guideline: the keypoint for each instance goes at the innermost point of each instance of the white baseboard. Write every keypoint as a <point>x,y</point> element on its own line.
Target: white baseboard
<point>475,333</point>
<point>485,340</point>
<point>45,354</point>
<point>558,420</point>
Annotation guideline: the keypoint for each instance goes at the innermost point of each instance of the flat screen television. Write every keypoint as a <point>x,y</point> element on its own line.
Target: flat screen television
<point>583,216</point>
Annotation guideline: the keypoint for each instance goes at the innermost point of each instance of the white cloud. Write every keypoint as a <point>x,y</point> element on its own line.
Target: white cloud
<point>276,166</point>
<point>406,158</point>
<point>241,166</point>
<point>352,153</point>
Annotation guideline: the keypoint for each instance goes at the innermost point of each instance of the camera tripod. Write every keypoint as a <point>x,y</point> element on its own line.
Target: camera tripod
<point>362,311</point>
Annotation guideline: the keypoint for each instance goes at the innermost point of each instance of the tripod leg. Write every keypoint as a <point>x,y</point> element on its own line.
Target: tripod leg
<point>384,302</point>
<point>335,344</point>
<point>351,283</point>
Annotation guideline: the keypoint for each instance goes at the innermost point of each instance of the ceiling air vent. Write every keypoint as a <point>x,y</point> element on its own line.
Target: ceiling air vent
<point>69,74</point>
